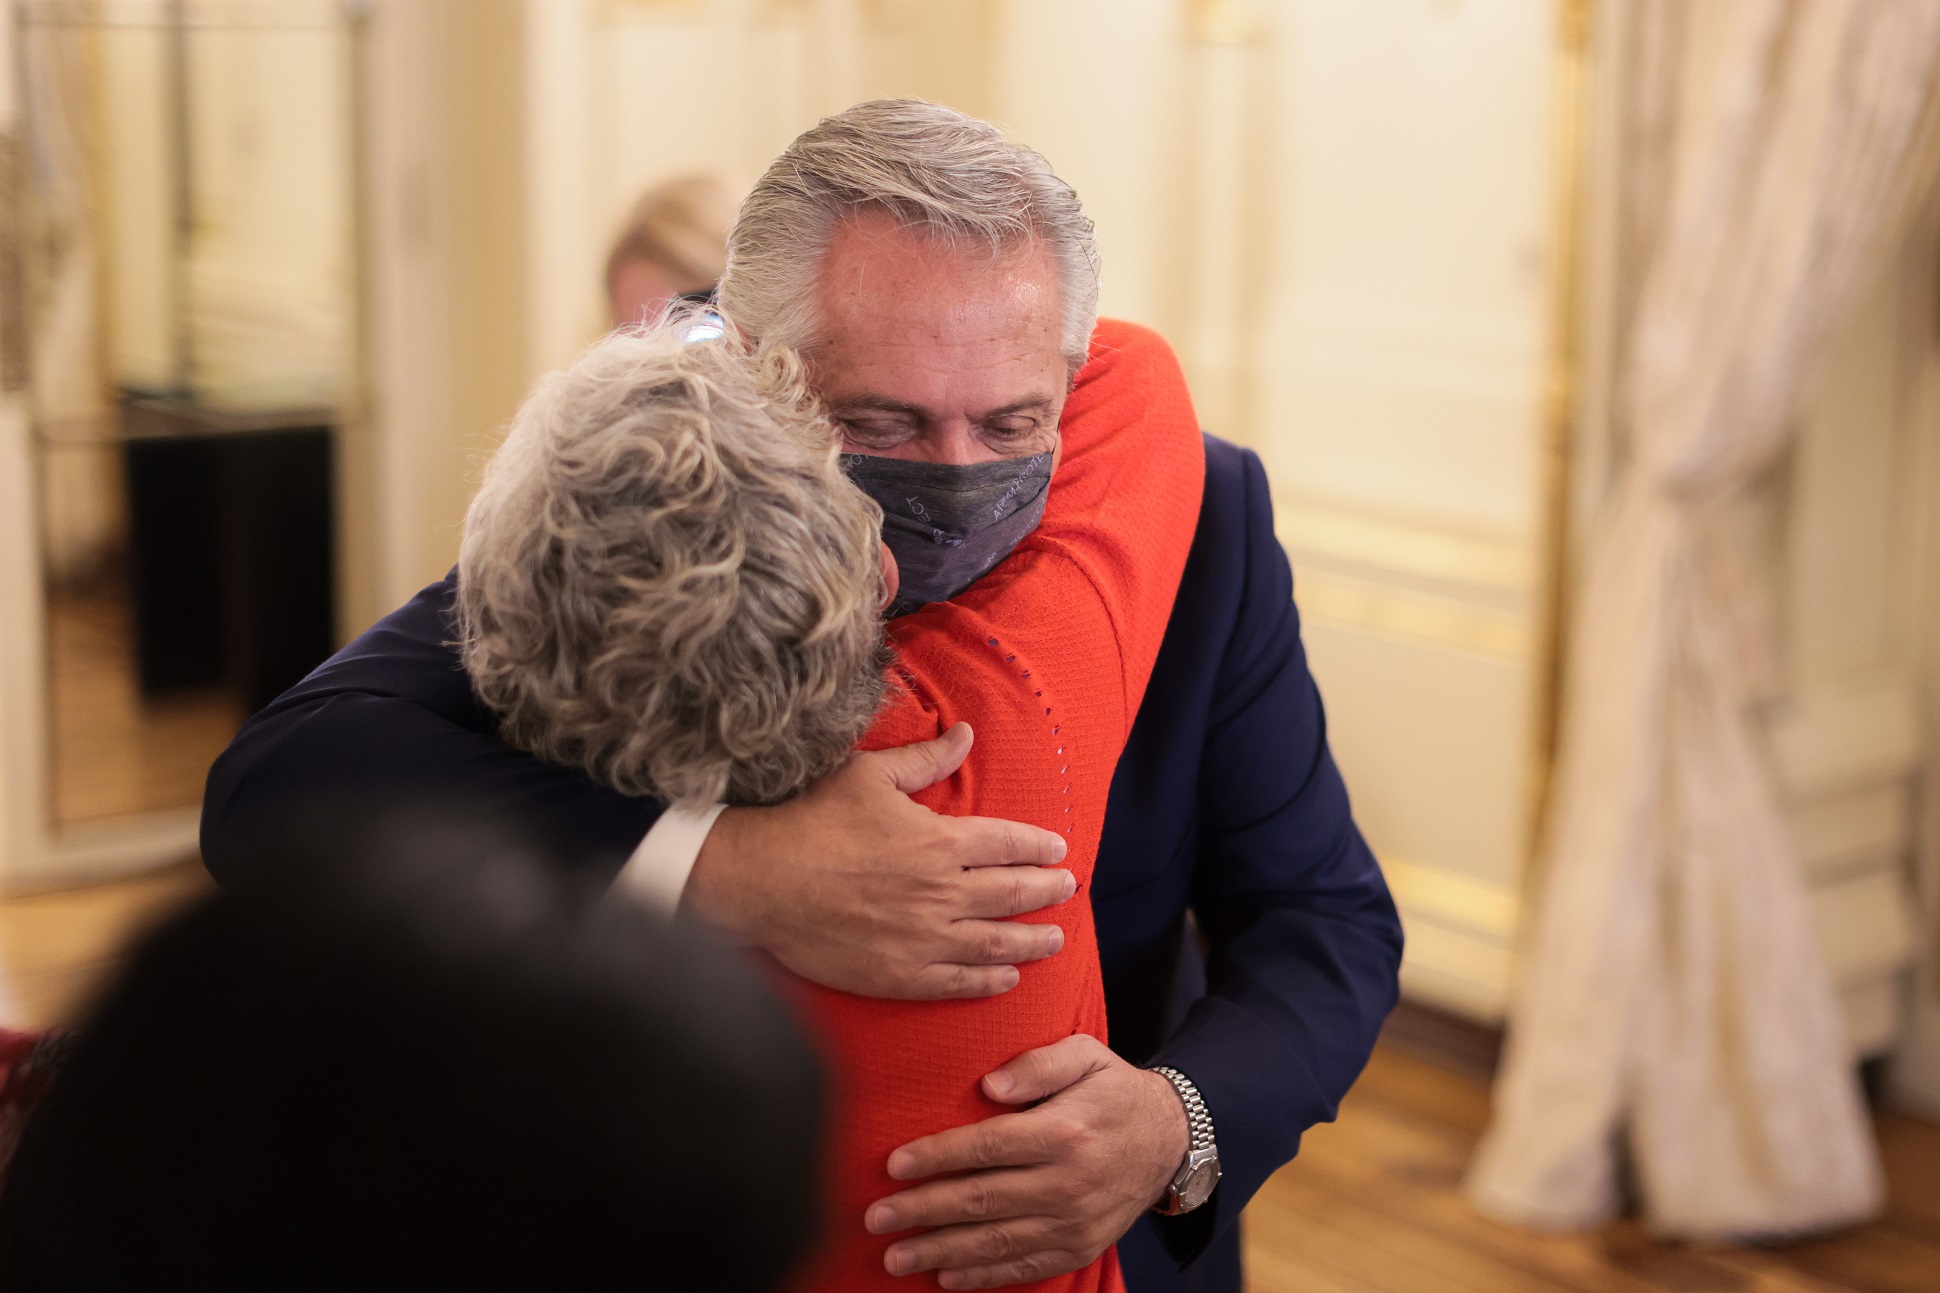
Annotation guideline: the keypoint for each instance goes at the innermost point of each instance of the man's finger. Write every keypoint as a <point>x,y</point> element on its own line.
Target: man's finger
<point>957,1200</point>
<point>997,892</point>
<point>992,841</point>
<point>1018,1239</point>
<point>1007,1140</point>
<point>949,982</point>
<point>1037,1266</point>
<point>1039,1074</point>
<point>911,768</point>
<point>1002,942</point>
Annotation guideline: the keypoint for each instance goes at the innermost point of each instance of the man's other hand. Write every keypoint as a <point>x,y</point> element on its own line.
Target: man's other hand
<point>1044,1191</point>
<point>856,886</point>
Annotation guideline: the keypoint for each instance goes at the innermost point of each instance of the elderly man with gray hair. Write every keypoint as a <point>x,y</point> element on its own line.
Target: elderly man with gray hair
<point>1248,944</point>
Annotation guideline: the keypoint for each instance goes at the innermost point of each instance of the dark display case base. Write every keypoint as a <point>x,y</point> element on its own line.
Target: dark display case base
<point>232,543</point>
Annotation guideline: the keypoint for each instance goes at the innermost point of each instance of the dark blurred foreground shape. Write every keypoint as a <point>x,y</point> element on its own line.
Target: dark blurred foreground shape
<point>411,1059</point>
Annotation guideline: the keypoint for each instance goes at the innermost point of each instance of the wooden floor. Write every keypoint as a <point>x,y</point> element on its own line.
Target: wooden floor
<point>1372,1205</point>
<point>115,750</point>
<point>56,946</point>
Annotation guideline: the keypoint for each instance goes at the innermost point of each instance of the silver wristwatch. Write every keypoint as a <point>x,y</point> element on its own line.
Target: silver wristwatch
<point>1199,1173</point>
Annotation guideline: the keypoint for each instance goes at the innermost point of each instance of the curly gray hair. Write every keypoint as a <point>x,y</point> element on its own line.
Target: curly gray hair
<point>667,581</point>
<point>931,167</point>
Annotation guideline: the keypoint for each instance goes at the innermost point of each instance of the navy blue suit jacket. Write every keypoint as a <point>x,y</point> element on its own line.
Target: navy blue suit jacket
<point>1226,804</point>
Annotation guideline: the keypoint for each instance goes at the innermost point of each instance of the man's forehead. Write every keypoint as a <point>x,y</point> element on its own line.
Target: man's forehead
<point>883,282</point>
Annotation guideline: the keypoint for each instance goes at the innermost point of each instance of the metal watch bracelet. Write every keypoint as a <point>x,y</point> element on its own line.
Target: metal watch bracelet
<point>1193,1183</point>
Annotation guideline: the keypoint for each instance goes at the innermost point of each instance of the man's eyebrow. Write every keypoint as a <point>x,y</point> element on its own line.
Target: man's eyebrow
<point>884,404</point>
<point>1033,404</point>
<point>878,404</point>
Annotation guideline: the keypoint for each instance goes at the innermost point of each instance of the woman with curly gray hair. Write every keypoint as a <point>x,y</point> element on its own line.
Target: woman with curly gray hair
<point>667,581</point>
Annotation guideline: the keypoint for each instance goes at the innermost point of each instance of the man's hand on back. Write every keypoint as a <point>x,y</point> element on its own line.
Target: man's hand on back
<point>1025,1196</point>
<point>857,887</point>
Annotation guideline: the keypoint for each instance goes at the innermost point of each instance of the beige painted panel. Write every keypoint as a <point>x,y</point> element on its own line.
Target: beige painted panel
<point>1455,970</point>
<point>1496,571</point>
<point>139,214</point>
<point>1401,355</point>
<point>1402,428</point>
<point>1842,833</point>
<point>270,272</point>
<point>1846,736</point>
<point>1403,613</point>
<point>942,50</point>
<point>1414,142</point>
<point>672,99</point>
<point>1431,741</point>
<point>1872,1011</point>
<point>1487,911</point>
<point>1840,528</point>
<point>1863,925</point>
<point>1094,85</point>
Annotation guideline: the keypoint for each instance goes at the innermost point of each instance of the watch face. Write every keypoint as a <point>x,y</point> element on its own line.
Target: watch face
<point>1199,1185</point>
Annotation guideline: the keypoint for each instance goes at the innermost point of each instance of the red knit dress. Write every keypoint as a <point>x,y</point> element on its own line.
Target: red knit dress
<point>1047,658</point>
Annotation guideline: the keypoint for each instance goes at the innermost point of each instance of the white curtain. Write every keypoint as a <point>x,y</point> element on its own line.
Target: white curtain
<point>1671,1001</point>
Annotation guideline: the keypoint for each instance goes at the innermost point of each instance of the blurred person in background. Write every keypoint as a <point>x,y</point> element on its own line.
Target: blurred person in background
<point>1226,805</point>
<point>419,1057</point>
<point>673,247</point>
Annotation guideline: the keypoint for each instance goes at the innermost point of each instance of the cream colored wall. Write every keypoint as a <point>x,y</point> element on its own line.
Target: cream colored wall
<point>1339,213</point>
<point>1846,537</point>
<point>138,211</point>
<point>1401,359</point>
<point>32,853</point>
<point>1912,632</point>
<point>447,300</point>
<point>270,271</point>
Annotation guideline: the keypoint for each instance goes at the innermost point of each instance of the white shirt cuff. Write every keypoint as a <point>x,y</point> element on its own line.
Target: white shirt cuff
<point>657,872</point>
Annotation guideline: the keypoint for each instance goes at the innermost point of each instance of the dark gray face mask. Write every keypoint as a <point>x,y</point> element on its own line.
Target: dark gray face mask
<point>948,525</point>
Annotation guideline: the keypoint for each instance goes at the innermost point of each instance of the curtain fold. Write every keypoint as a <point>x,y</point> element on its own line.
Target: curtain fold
<point>1672,1002</point>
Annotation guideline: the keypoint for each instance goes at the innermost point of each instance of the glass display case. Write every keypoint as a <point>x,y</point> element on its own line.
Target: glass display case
<point>180,353</point>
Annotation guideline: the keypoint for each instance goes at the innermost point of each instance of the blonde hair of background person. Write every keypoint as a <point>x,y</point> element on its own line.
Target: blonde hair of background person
<point>674,243</point>
<point>665,579</point>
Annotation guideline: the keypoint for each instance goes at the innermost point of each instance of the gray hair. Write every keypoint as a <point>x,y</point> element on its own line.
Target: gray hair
<point>932,168</point>
<point>667,581</point>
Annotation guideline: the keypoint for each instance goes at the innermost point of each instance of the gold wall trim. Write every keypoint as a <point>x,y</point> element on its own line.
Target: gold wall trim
<point>1224,22</point>
<point>1569,115</point>
<point>1330,531</point>
<point>1456,971</point>
<point>621,10</point>
<point>1449,898</point>
<point>1329,598</point>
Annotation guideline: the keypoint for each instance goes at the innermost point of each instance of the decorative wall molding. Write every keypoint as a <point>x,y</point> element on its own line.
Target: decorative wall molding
<point>1456,971</point>
<point>1417,550</point>
<point>1490,912</point>
<point>1864,926</point>
<point>95,852</point>
<point>1866,829</point>
<point>1225,22</point>
<point>1374,606</point>
<point>1845,754</point>
<point>1845,735</point>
